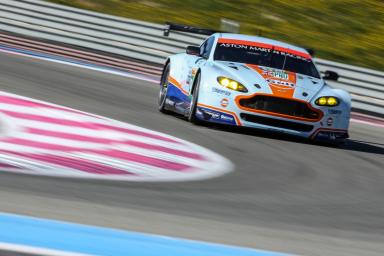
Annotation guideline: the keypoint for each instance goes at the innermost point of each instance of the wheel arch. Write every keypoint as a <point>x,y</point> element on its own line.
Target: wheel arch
<point>166,63</point>
<point>198,73</point>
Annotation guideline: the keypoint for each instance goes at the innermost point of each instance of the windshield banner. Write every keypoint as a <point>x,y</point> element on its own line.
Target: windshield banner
<point>262,47</point>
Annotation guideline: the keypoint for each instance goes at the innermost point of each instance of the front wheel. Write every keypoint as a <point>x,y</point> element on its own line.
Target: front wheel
<point>195,95</point>
<point>164,90</point>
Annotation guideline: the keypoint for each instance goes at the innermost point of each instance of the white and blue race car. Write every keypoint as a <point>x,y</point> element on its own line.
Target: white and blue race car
<point>255,82</point>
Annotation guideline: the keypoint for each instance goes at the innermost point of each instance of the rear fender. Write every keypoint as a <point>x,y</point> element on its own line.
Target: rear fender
<point>179,68</point>
<point>178,92</point>
<point>166,63</point>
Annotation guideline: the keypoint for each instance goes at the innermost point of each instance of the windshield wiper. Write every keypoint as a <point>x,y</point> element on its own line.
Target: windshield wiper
<point>285,58</point>
<point>271,60</point>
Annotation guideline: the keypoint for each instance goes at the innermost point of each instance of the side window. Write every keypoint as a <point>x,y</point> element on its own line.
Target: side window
<point>206,47</point>
<point>203,46</point>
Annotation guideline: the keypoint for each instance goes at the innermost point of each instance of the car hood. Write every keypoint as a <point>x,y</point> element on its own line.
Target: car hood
<point>280,83</point>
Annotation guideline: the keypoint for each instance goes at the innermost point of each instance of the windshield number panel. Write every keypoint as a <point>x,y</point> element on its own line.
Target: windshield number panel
<point>266,55</point>
<point>279,74</point>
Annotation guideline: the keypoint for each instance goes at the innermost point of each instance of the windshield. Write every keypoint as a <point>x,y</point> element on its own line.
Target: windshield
<point>265,55</point>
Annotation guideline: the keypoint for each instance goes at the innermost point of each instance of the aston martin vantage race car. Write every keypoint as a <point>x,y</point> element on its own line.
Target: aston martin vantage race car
<point>255,82</point>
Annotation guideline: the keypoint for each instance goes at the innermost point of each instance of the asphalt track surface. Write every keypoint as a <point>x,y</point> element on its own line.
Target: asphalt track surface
<point>284,195</point>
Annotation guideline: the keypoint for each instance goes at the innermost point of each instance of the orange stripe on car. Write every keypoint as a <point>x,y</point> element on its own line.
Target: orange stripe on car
<point>278,90</point>
<point>177,84</point>
<point>282,92</point>
<point>238,122</point>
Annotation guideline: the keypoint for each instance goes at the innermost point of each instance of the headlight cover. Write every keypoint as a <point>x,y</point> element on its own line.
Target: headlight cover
<point>231,84</point>
<point>327,101</point>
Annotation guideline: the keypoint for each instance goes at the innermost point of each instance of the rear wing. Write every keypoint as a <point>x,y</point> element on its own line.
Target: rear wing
<point>185,28</point>
<point>169,26</point>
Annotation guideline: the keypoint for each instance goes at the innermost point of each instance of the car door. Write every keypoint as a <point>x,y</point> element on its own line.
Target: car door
<point>196,63</point>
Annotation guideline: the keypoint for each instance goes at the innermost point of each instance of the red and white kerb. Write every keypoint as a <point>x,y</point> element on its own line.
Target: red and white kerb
<point>46,139</point>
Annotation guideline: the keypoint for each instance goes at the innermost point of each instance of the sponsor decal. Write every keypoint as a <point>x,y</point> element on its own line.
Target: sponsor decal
<point>334,112</point>
<point>226,118</point>
<point>277,74</point>
<point>262,47</point>
<point>191,76</point>
<point>169,102</point>
<point>329,121</point>
<point>220,91</point>
<point>238,46</point>
<point>279,82</point>
<point>189,79</point>
<point>279,77</point>
<point>220,117</point>
<point>213,114</point>
<point>282,83</point>
<point>224,103</point>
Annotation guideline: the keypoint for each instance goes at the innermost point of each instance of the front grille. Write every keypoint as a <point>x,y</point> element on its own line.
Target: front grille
<point>282,106</point>
<point>277,123</point>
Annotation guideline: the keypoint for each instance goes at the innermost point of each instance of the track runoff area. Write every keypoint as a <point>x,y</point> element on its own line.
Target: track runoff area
<point>40,138</point>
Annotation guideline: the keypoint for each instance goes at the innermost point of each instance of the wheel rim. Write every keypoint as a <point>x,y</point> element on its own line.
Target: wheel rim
<point>194,100</point>
<point>163,90</point>
<point>163,94</point>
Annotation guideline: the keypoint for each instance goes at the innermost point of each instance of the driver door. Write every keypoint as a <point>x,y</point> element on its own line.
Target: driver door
<point>199,61</point>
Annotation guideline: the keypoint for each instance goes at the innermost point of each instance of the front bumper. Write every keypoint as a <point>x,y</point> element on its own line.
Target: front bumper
<point>328,128</point>
<point>299,118</point>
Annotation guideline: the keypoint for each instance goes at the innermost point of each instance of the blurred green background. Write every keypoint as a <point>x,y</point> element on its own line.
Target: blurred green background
<point>349,31</point>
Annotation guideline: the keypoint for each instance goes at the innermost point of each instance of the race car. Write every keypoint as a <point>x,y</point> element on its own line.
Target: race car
<point>256,82</point>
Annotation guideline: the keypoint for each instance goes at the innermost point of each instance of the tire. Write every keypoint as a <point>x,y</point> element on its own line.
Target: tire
<point>163,91</point>
<point>195,97</point>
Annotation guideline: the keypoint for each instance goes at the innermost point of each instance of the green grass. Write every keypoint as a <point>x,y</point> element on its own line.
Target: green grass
<point>349,31</point>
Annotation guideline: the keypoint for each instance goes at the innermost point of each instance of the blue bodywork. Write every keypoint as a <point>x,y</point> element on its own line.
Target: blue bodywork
<point>180,103</point>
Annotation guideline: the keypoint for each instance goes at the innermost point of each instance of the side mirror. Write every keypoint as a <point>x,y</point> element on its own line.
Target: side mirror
<point>310,51</point>
<point>330,75</point>
<point>193,50</point>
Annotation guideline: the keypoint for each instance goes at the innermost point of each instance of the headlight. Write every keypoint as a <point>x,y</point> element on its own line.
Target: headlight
<point>231,84</point>
<point>328,101</point>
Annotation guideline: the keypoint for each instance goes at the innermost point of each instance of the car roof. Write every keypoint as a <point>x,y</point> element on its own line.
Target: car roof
<point>260,39</point>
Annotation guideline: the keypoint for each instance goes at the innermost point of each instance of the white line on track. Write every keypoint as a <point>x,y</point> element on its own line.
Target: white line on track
<point>23,249</point>
<point>119,73</point>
